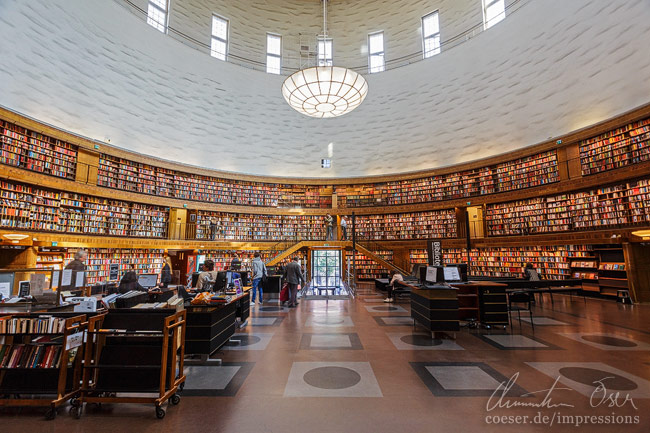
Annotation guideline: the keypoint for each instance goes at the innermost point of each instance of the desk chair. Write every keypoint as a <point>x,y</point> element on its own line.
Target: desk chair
<point>182,292</point>
<point>520,297</point>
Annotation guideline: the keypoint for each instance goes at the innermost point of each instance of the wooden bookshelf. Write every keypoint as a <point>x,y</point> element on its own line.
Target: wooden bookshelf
<point>610,206</point>
<point>617,148</point>
<point>414,225</point>
<point>222,258</point>
<point>146,261</point>
<point>236,227</point>
<point>612,272</point>
<point>368,269</point>
<point>552,262</point>
<point>33,151</point>
<point>521,173</point>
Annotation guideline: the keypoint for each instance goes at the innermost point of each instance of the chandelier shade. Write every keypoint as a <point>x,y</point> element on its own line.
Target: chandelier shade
<point>324,91</point>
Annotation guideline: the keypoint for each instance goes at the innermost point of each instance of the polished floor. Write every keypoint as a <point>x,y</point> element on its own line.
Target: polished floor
<point>360,366</point>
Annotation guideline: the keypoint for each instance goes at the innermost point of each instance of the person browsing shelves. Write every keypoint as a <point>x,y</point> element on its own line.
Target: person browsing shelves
<point>259,272</point>
<point>530,273</point>
<point>78,263</point>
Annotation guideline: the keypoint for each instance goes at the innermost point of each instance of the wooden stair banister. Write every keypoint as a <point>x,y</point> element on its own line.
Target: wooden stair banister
<point>388,265</point>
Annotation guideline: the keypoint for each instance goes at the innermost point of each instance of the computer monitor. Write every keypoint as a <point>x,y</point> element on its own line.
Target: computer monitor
<point>431,275</point>
<point>222,281</point>
<point>148,280</point>
<point>228,278</point>
<point>451,273</point>
<point>462,269</point>
<point>195,278</point>
<point>415,270</point>
<point>244,275</point>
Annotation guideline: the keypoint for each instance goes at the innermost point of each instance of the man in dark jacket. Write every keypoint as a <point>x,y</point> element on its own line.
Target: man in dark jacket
<point>78,263</point>
<point>293,274</point>
<point>130,281</point>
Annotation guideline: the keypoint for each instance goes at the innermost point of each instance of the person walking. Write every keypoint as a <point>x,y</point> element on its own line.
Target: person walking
<point>259,272</point>
<point>293,274</point>
<point>329,221</point>
<point>78,263</point>
<point>344,229</point>
<point>166,273</point>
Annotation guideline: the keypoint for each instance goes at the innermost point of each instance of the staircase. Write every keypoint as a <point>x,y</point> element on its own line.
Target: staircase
<point>292,248</point>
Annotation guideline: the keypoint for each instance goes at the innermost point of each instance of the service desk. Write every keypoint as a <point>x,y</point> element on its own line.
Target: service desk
<point>435,309</point>
<point>210,326</point>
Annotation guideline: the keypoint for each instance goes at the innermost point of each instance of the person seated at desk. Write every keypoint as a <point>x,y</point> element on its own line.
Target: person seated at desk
<point>530,273</point>
<point>235,264</point>
<point>394,276</point>
<point>129,281</point>
<point>207,277</point>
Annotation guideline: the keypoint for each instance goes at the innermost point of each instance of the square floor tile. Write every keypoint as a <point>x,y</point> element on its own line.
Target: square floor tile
<point>515,342</point>
<point>584,377</point>
<point>393,320</point>
<point>341,341</point>
<point>270,309</point>
<point>328,321</point>
<point>388,308</point>
<point>253,341</point>
<point>543,321</point>
<point>419,341</point>
<point>607,341</point>
<point>462,379</point>
<point>332,379</point>
<point>208,380</point>
<point>265,321</point>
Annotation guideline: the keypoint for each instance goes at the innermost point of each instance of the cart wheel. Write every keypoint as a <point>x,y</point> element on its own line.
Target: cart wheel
<point>181,386</point>
<point>175,399</point>
<point>74,401</point>
<point>50,414</point>
<point>75,411</point>
<point>160,412</point>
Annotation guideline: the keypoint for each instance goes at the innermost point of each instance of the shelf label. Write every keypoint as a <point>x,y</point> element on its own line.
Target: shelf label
<point>74,340</point>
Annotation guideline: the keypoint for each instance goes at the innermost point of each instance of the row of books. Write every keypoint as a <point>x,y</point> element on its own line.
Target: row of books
<point>32,325</point>
<point>30,356</point>
<point>33,151</point>
<point>24,206</point>
<point>622,204</point>
<point>98,262</point>
<point>623,146</point>
<point>368,269</point>
<point>428,224</point>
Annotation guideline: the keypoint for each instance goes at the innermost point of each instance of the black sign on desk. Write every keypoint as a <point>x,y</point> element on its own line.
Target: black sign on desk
<point>434,251</point>
<point>114,271</point>
<point>23,289</point>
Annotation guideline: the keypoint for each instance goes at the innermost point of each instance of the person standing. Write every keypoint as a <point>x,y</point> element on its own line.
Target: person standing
<point>235,264</point>
<point>293,274</point>
<point>259,272</point>
<point>344,229</point>
<point>78,263</point>
<point>329,221</point>
<point>166,273</point>
<point>213,229</point>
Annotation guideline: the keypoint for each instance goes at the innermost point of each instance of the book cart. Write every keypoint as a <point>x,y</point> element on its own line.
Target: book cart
<point>41,361</point>
<point>131,351</point>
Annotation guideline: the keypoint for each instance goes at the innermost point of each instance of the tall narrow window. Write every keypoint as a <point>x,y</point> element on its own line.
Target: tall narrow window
<point>273,53</point>
<point>493,12</point>
<point>376,52</point>
<point>157,14</point>
<point>325,54</point>
<point>430,35</point>
<point>219,43</point>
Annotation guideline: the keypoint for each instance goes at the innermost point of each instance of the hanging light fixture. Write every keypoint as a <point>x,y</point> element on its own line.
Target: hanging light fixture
<point>324,90</point>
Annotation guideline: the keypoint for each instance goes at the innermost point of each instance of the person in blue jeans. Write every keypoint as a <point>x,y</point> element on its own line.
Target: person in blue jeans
<point>259,272</point>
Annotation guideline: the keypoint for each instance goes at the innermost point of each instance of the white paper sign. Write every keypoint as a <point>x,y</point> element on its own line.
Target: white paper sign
<point>5,290</point>
<point>431,274</point>
<point>37,283</point>
<point>80,279</point>
<point>66,277</point>
<point>74,340</point>
<point>55,280</point>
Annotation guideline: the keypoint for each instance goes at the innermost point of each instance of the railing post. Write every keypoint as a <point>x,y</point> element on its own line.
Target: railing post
<point>354,250</point>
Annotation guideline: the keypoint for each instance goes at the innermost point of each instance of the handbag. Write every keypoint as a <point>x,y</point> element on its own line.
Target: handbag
<point>284,293</point>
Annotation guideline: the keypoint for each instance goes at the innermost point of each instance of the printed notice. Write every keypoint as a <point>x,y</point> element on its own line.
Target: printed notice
<point>55,279</point>
<point>66,277</point>
<point>5,290</point>
<point>80,279</point>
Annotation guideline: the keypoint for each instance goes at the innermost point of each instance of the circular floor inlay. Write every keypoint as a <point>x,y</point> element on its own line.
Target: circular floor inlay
<point>588,376</point>
<point>609,341</point>
<point>246,340</point>
<point>385,308</point>
<point>332,377</point>
<point>271,308</point>
<point>420,340</point>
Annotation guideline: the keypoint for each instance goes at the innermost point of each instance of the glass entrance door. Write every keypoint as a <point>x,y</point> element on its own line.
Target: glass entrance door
<point>326,268</point>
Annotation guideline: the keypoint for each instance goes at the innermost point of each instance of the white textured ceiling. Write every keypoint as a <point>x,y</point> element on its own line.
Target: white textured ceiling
<point>93,68</point>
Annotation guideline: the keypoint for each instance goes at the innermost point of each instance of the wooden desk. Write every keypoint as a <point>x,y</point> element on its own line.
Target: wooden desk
<point>491,301</point>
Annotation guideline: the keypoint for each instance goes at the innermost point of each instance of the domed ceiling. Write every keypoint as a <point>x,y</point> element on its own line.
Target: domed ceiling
<point>94,67</point>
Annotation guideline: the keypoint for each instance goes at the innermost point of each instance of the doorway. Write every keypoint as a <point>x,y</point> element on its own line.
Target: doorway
<point>326,279</point>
